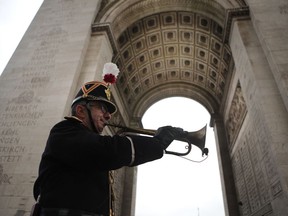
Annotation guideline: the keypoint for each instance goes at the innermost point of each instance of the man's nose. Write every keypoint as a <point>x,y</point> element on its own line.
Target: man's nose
<point>107,116</point>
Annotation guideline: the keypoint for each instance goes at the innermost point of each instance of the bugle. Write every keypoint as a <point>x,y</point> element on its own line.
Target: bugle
<point>196,138</point>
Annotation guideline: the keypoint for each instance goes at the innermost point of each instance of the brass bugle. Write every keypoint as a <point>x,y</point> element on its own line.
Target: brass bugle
<point>196,138</point>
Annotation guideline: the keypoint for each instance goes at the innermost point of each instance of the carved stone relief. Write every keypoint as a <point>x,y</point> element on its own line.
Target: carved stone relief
<point>237,113</point>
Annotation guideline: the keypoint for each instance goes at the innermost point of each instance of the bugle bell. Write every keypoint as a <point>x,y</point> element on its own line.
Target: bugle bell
<point>196,138</point>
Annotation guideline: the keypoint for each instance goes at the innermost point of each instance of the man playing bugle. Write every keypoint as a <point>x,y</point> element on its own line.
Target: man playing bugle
<point>74,174</point>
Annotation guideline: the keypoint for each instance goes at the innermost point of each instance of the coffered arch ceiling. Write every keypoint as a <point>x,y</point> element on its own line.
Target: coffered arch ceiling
<point>172,48</point>
<point>172,53</point>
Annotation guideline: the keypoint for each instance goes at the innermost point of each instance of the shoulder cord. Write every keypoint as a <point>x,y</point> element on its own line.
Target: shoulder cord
<point>111,194</point>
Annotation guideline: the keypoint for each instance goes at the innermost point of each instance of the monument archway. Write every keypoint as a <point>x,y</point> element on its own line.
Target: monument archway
<point>231,56</point>
<point>171,52</point>
<point>192,51</point>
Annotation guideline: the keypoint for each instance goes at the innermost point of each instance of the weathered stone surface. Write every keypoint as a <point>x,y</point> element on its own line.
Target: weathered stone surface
<point>210,51</point>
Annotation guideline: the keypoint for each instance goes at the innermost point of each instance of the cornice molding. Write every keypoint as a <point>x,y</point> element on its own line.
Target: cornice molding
<point>105,27</point>
<point>233,14</point>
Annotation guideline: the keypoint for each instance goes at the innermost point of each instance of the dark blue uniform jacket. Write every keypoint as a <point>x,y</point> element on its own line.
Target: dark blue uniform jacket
<point>74,167</point>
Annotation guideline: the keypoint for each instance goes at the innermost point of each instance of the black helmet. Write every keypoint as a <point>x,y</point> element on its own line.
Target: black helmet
<point>96,91</point>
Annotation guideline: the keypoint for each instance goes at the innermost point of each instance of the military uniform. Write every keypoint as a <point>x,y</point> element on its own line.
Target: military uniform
<point>74,169</point>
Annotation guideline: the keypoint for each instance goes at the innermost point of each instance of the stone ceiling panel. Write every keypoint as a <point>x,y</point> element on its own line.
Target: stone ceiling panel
<point>172,47</point>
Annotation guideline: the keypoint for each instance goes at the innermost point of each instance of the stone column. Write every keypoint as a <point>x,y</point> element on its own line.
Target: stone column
<point>129,192</point>
<point>36,87</point>
<point>226,173</point>
<point>270,20</point>
<point>260,152</point>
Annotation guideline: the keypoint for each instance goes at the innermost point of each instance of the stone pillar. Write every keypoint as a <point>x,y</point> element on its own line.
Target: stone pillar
<point>270,20</point>
<point>129,192</point>
<point>226,173</point>
<point>259,154</point>
<point>36,88</point>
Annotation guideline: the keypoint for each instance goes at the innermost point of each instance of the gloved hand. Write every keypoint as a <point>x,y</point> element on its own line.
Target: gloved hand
<point>167,134</point>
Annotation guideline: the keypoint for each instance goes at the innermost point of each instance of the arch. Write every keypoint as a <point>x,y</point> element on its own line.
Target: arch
<point>173,47</point>
<point>174,89</point>
<point>163,49</point>
<point>200,41</point>
<point>123,13</point>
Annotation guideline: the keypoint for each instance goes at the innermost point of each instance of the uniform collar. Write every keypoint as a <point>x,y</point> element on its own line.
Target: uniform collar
<point>73,118</point>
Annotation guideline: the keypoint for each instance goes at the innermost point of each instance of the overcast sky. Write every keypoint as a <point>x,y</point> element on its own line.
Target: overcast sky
<point>15,17</point>
<point>171,186</point>
<point>174,186</point>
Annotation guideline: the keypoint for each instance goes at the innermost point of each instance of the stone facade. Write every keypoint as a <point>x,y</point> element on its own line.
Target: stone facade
<point>231,56</point>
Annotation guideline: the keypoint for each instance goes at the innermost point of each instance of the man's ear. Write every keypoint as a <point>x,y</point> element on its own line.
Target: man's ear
<point>81,111</point>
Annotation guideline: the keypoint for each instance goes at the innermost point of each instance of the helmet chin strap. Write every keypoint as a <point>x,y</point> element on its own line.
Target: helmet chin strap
<point>90,118</point>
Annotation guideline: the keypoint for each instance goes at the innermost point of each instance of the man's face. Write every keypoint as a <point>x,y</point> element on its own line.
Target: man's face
<point>100,115</point>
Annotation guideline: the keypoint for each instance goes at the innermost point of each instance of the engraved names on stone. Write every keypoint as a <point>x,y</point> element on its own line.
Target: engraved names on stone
<point>255,175</point>
<point>22,112</point>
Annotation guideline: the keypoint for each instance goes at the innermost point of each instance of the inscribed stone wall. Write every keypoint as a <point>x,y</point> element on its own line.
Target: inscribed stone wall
<point>259,174</point>
<point>254,170</point>
<point>34,90</point>
<point>21,114</point>
<point>256,178</point>
<point>53,59</point>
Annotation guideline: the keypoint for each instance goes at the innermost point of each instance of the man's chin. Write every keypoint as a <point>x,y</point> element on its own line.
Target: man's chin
<point>100,129</point>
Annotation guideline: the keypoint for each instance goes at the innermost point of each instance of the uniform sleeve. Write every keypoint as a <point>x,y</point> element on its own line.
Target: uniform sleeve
<point>145,149</point>
<point>80,149</point>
